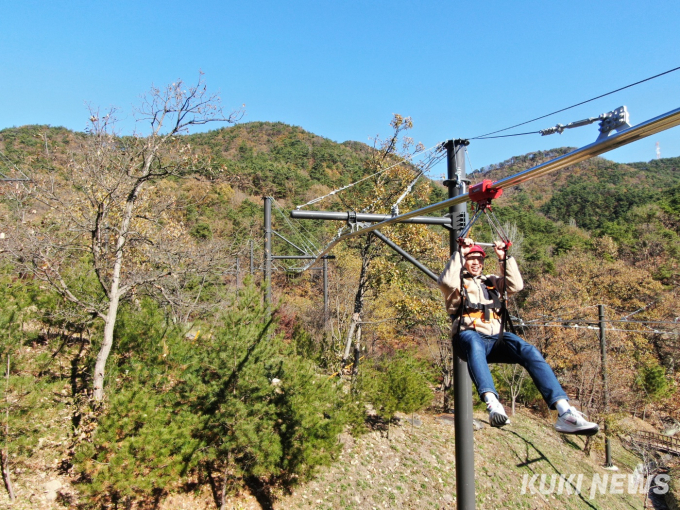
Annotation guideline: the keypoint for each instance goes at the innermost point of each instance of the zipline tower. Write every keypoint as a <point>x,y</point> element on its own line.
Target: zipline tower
<point>269,258</point>
<point>456,222</point>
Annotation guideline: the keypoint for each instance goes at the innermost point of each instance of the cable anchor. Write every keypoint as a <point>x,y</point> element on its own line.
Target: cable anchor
<point>615,120</point>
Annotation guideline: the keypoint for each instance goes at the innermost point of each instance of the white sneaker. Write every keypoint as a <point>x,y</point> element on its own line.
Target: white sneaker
<point>497,416</point>
<point>574,422</point>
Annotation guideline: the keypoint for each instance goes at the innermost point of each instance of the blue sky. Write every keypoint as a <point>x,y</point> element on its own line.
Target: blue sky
<point>340,69</point>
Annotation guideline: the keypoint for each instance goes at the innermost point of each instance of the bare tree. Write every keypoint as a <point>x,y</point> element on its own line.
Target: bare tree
<point>390,159</point>
<point>514,376</point>
<point>436,331</point>
<point>110,229</point>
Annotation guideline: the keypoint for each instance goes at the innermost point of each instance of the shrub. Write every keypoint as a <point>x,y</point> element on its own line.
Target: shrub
<point>202,231</point>
<point>401,384</point>
<point>652,379</point>
<point>235,401</point>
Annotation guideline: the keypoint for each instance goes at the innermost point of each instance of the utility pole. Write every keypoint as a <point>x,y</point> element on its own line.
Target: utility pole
<point>462,385</point>
<point>605,384</point>
<point>268,251</point>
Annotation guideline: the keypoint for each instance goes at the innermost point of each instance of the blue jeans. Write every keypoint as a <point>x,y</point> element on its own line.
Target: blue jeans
<point>479,350</point>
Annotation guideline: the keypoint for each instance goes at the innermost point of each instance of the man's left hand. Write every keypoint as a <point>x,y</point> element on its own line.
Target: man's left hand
<point>499,248</point>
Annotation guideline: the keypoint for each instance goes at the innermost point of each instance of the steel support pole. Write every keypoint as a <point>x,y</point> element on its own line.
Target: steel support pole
<point>252,260</point>
<point>462,385</point>
<point>406,255</point>
<point>365,217</point>
<point>605,384</point>
<point>325,293</point>
<point>268,251</point>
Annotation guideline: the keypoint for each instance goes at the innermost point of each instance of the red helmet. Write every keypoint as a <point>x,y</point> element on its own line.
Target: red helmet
<point>477,249</point>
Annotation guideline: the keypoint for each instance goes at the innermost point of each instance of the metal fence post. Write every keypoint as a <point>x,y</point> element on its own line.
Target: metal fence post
<point>268,251</point>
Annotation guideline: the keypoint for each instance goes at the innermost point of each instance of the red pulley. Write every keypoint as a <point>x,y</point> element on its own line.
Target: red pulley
<point>483,193</point>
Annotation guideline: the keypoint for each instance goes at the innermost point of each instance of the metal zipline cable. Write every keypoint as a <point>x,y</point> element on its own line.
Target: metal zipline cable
<point>547,321</point>
<point>309,238</point>
<point>335,191</point>
<point>307,242</point>
<point>482,137</point>
<point>506,136</point>
<point>576,326</point>
<point>584,320</point>
<point>435,156</point>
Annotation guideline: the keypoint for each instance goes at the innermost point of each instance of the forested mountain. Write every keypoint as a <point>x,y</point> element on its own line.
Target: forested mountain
<point>203,390</point>
<point>273,159</point>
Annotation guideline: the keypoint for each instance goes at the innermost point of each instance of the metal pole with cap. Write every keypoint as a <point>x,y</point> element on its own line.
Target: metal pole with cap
<point>462,385</point>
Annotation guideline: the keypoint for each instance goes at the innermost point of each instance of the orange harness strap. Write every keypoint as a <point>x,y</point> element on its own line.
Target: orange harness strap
<point>479,314</point>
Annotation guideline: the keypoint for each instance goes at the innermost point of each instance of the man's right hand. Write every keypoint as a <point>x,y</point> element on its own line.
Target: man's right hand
<point>465,246</point>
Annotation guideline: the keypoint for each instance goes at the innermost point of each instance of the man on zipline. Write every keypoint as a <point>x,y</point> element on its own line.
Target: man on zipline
<point>476,336</point>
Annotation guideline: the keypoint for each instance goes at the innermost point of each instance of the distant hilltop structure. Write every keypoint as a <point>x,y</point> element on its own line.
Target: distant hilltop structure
<point>658,151</point>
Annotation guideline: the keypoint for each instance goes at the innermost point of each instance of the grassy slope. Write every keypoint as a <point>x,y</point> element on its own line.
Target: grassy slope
<point>415,469</point>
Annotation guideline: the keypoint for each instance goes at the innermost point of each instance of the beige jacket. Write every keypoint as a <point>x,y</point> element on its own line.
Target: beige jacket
<point>449,284</point>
